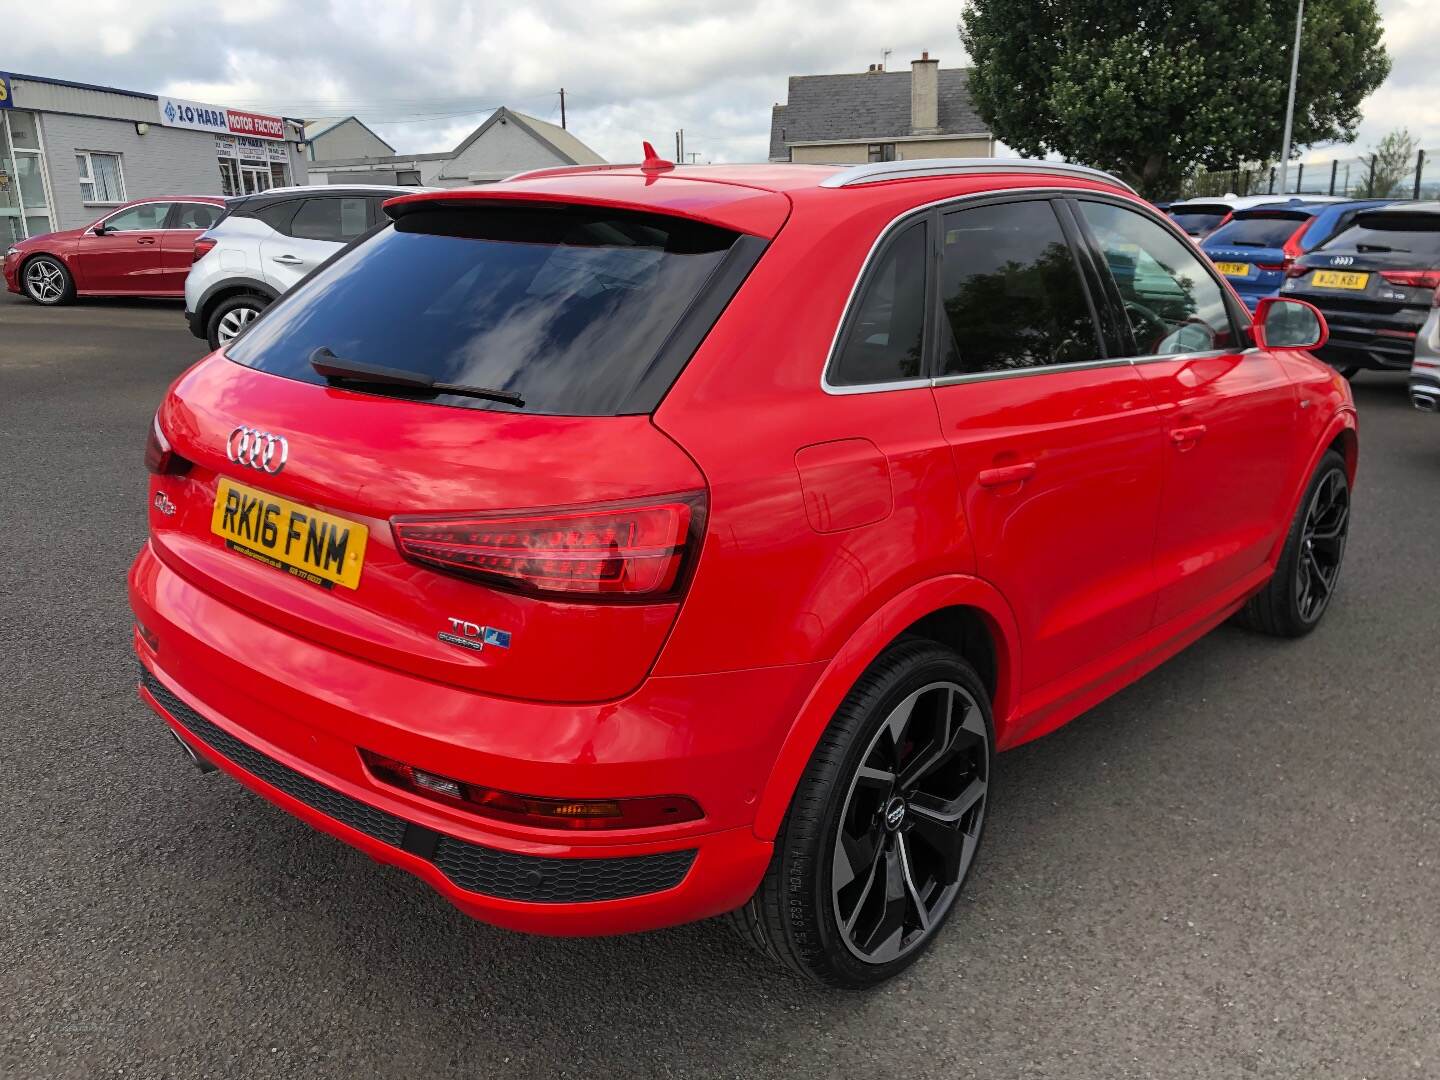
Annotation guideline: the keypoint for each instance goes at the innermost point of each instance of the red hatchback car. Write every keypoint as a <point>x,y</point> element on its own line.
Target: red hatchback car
<point>616,547</point>
<point>143,248</point>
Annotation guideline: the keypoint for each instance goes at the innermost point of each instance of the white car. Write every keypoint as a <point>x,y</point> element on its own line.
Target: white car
<point>268,241</point>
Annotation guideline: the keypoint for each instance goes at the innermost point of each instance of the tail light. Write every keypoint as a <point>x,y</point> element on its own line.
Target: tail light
<point>202,248</point>
<point>1285,266</point>
<point>546,813</point>
<point>160,457</point>
<point>634,550</point>
<point>1296,271</point>
<point>1414,279</point>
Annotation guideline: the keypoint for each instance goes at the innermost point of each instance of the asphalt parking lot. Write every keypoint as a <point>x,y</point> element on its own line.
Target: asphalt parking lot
<point>1228,870</point>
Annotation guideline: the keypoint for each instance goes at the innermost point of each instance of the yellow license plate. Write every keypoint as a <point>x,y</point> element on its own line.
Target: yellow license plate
<point>1233,269</point>
<point>1339,279</point>
<point>312,545</point>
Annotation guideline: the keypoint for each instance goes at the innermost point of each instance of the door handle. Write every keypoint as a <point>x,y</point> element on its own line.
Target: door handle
<point>145,240</point>
<point>287,260</point>
<point>1005,475</point>
<point>1187,437</point>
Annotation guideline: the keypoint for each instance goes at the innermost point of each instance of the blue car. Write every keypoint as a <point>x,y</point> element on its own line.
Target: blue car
<point>1256,247</point>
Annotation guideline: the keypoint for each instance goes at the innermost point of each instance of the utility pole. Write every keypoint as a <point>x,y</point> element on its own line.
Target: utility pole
<point>1290,107</point>
<point>562,106</point>
<point>692,156</point>
<point>677,147</point>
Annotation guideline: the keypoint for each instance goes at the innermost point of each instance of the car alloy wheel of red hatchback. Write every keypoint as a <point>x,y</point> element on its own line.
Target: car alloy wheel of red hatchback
<point>655,543</point>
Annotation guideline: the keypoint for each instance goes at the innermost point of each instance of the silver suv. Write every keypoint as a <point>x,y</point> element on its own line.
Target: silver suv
<point>268,241</point>
<point>1425,369</point>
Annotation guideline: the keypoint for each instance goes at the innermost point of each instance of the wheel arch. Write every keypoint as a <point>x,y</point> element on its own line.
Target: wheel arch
<point>224,290</point>
<point>961,611</point>
<point>31,256</point>
<point>1341,435</point>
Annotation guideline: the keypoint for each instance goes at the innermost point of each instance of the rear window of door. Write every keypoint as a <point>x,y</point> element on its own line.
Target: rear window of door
<point>566,306</point>
<point>189,215</point>
<point>1172,302</point>
<point>336,220</point>
<point>1011,293</point>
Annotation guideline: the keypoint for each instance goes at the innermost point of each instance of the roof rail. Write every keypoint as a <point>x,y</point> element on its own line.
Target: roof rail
<point>914,168</point>
<point>561,170</point>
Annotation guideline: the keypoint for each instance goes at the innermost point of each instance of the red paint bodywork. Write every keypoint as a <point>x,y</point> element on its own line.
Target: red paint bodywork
<point>834,522</point>
<point>153,263</point>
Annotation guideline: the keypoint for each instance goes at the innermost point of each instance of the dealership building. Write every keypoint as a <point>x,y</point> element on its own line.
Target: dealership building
<point>71,151</point>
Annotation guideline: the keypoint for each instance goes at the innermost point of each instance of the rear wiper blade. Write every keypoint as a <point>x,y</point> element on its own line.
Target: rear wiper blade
<point>326,363</point>
<point>1379,247</point>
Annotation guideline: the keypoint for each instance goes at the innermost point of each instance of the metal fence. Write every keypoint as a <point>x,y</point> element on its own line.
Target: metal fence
<point>1369,176</point>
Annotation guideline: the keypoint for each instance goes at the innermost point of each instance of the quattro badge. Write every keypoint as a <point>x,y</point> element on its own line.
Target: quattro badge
<point>472,636</point>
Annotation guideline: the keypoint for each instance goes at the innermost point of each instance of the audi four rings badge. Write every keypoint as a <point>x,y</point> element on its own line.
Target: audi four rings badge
<point>257,449</point>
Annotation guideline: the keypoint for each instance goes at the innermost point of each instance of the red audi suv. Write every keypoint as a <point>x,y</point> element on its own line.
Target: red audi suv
<point>620,546</point>
<point>143,248</point>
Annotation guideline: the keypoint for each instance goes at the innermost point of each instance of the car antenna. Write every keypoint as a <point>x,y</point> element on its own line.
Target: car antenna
<point>654,162</point>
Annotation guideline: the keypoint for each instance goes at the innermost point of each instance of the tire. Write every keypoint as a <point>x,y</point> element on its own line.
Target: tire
<point>46,281</point>
<point>231,316</point>
<point>1295,599</point>
<point>866,871</point>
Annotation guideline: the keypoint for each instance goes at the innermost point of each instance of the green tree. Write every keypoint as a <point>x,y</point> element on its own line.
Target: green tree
<point>1391,162</point>
<point>1154,89</point>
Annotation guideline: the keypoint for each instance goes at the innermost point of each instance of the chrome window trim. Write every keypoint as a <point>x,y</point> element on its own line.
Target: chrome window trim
<point>898,222</point>
<point>131,204</point>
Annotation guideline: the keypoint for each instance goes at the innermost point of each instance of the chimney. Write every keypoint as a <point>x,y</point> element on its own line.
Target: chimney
<point>924,96</point>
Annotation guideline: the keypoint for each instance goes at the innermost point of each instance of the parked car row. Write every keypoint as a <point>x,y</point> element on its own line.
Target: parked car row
<point>1372,266</point>
<point>228,258</point>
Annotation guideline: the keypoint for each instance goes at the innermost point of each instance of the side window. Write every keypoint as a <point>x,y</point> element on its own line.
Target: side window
<point>885,338</point>
<point>142,218</point>
<point>1012,295</point>
<point>335,220</point>
<point>1171,302</point>
<point>278,215</point>
<point>191,215</point>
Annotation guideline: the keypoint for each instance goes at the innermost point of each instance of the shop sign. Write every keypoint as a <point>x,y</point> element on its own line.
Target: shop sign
<point>7,90</point>
<point>177,112</point>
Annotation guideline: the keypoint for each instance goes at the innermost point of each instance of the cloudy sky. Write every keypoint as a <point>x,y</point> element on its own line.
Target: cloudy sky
<point>424,75</point>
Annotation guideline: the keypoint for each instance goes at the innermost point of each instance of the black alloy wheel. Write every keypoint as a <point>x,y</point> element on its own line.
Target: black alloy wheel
<point>911,822</point>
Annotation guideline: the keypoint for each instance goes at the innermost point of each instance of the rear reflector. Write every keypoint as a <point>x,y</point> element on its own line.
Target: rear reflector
<point>617,551</point>
<point>639,813</point>
<point>202,248</point>
<point>159,457</point>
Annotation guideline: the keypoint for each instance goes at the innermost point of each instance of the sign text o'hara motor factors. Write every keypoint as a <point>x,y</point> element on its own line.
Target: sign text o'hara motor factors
<point>197,116</point>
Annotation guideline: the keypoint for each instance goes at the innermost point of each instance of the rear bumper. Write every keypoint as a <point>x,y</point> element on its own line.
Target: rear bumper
<point>285,717</point>
<point>1425,392</point>
<point>196,323</point>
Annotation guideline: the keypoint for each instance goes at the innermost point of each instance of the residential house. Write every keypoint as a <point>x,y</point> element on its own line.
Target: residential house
<point>879,115</point>
<point>506,143</point>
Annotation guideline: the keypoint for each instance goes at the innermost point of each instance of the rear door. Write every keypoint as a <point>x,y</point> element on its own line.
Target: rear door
<point>1055,439</point>
<point>319,228</point>
<point>1228,412</point>
<point>187,220</point>
<point>127,258</point>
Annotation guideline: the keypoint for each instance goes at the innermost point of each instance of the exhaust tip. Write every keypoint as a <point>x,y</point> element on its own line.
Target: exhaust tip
<point>195,759</point>
<point>1425,403</point>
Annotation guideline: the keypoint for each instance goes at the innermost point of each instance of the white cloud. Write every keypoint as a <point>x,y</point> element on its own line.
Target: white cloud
<point>425,75</point>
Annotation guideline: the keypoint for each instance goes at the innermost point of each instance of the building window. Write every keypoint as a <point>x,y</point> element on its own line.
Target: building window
<point>101,179</point>
<point>882,151</point>
<point>250,165</point>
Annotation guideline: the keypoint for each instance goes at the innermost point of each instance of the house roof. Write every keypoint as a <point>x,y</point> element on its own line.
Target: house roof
<point>316,126</point>
<point>866,105</point>
<point>567,147</point>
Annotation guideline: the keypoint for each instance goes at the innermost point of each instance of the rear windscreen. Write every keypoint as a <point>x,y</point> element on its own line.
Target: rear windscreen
<point>1417,234</point>
<point>1200,219</point>
<point>1261,231</point>
<point>564,306</point>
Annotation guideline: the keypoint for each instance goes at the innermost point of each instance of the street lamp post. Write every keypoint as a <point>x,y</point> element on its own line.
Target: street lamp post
<point>1290,105</point>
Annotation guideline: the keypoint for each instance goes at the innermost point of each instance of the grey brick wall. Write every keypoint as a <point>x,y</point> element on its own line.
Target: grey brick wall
<point>163,161</point>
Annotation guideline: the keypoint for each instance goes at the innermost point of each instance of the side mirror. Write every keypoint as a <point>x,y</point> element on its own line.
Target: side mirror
<point>1282,323</point>
<point>101,230</point>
